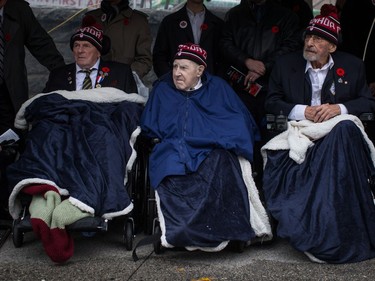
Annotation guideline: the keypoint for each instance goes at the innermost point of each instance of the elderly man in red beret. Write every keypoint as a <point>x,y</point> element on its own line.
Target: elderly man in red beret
<point>200,169</point>
<point>89,70</point>
<point>80,147</point>
<point>319,174</point>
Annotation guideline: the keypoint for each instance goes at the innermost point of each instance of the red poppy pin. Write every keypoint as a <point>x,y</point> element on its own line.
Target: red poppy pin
<point>102,74</point>
<point>275,29</point>
<point>340,72</point>
<point>126,21</point>
<point>7,37</point>
<point>105,69</point>
<point>204,26</point>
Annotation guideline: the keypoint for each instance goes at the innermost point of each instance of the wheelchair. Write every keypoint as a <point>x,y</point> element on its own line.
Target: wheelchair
<point>133,222</point>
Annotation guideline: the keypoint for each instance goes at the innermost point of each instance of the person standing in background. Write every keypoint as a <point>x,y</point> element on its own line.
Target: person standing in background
<point>21,29</point>
<point>129,32</point>
<point>301,9</point>
<point>89,70</point>
<point>255,33</point>
<point>358,36</point>
<point>193,23</point>
<point>18,29</point>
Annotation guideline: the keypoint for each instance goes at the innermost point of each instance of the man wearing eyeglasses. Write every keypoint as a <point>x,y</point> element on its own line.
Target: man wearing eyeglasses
<point>319,174</point>
<point>319,83</point>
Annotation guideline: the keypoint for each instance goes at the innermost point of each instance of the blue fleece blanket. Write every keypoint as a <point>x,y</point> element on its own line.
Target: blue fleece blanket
<point>81,143</point>
<point>316,186</point>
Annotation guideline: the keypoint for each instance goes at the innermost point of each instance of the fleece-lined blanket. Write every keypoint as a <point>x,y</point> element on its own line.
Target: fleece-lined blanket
<point>316,185</point>
<point>80,147</point>
<point>301,135</point>
<point>217,204</point>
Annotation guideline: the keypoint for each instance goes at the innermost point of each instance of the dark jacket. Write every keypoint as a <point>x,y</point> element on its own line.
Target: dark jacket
<point>130,38</point>
<point>355,33</point>
<point>119,76</point>
<point>21,29</point>
<point>172,32</point>
<point>245,36</point>
<point>345,83</point>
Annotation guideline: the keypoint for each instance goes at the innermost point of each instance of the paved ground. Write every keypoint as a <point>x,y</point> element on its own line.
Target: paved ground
<point>104,257</point>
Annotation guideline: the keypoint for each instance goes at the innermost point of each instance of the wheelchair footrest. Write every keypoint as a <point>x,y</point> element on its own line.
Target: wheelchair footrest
<point>89,224</point>
<point>85,224</point>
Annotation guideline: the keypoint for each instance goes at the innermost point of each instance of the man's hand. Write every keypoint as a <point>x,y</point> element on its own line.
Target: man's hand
<point>256,68</point>
<point>320,113</point>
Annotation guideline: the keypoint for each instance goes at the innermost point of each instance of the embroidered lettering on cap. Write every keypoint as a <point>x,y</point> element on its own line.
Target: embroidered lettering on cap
<point>325,25</point>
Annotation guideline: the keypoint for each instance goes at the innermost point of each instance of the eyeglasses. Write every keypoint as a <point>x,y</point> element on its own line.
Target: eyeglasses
<point>315,39</point>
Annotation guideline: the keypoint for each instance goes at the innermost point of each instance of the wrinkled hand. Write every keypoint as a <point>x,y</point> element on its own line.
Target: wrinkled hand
<point>251,77</point>
<point>323,112</point>
<point>255,68</point>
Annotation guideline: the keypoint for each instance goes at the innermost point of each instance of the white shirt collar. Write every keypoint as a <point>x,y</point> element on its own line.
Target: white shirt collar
<point>197,86</point>
<point>95,66</point>
<point>329,64</point>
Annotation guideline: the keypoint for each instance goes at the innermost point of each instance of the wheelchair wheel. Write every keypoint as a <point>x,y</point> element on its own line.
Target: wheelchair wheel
<point>151,214</point>
<point>157,245</point>
<point>17,234</point>
<point>128,234</point>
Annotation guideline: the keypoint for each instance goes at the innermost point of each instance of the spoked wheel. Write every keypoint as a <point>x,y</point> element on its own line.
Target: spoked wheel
<point>157,244</point>
<point>17,234</point>
<point>128,234</point>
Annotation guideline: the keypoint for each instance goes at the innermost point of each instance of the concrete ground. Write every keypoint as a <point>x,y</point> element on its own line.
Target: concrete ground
<point>104,257</point>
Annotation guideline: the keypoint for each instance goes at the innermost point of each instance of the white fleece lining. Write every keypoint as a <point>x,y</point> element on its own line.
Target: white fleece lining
<point>301,135</point>
<point>15,206</point>
<point>98,95</point>
<point>259,220</point>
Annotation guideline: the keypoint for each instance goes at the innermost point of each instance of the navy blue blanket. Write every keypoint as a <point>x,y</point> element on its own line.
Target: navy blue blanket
<point>324,205</point>
<point>80,147</point>
<point>206,209</point>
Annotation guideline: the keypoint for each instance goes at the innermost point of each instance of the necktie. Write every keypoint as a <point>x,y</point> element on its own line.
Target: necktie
<point>87,83</point>
<point>2,48</point>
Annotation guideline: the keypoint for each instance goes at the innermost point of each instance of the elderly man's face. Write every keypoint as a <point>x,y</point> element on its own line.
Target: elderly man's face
<point>186,74</point>
<point>85,54</point>
<point>317,50</point>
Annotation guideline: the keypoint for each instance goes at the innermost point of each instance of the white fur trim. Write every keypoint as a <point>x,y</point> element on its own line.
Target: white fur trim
<point>313,258</point>
<point>218,248</point>
<point>259,219</point>
<point>98,95</point>
<point>124,212</point>
<point>133,156</point>
<point>301,135</point>
<point>164,242</point>
<point>258,216</point>
<point>82,206</point>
